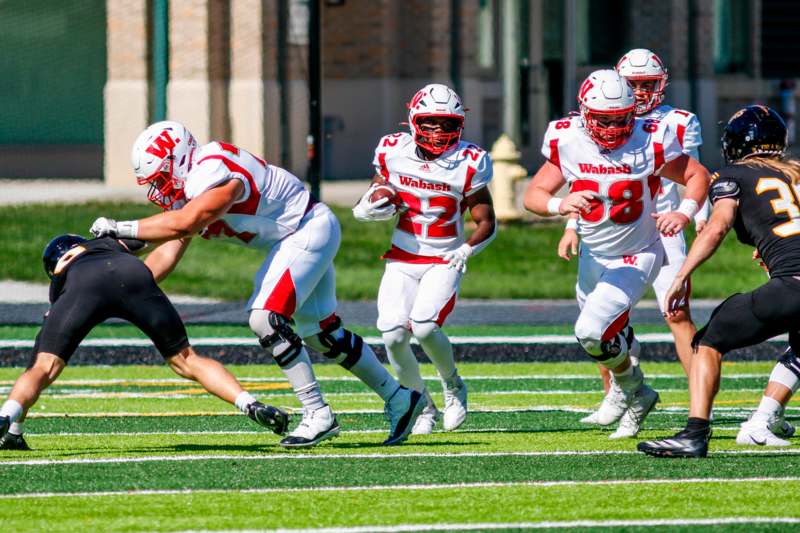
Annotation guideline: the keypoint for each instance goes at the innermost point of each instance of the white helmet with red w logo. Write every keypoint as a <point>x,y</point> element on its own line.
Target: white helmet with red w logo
<point>640,64</point>
<point>607,105</point>
<point>162,158</point>
<point>435,100</point>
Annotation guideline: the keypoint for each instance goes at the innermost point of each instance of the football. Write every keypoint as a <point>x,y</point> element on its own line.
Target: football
<point>385,190</point>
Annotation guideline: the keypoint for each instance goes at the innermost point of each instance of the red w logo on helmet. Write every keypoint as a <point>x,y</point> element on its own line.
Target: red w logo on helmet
<point>417,99</point>
<point>161,145</point>
<point>587,85</point>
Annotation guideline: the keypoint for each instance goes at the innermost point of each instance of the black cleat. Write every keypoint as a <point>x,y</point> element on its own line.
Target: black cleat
<point>683,444</point>
<point>402,410</point>
<point>5,423</point>
<point>270,417</point>
<point>9,441</point>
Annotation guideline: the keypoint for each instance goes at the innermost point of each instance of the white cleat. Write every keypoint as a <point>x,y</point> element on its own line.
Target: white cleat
<point>455,404</point>
<point>641,404</point>
<point>613,407</point>
<point>756,433</point>
<point>427,420</point>
<point>315,427</point>
<point>781,427</point>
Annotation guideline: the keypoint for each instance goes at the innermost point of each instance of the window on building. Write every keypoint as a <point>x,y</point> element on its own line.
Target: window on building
<point>780,47</point>
<point>731,35</point>
<point>600,31</point>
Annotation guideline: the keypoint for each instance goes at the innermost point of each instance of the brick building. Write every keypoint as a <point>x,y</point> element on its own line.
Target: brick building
<point>238,70</point>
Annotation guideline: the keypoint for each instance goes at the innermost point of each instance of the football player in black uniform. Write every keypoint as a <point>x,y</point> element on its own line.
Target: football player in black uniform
<point>99,279</point>
<point>756,194</point>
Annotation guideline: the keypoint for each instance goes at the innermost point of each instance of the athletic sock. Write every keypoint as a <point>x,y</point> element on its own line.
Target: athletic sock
<point>629,379</point>
<point>767,409</point>
<point>373,374</point>
<point>402,359</point>
<point>304,384</point>
<point>11,409</point>
<point>440,351</point>
<point>697,427</point>
<point>243,401</point>
<point>16,428</point>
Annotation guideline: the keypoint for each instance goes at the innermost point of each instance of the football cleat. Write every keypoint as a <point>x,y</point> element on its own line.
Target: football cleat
<point>270,417</point>
<point>613,407</point>
<point>641,404</point>
<point>683,444</point>
<point>10,441</point>
<point>5,423</point>
<point>402,411</point>
<point>781,427</point>
<point>315,427</point>
<point>757,433</point>
<point>455,404</point>
<point>427,419</point>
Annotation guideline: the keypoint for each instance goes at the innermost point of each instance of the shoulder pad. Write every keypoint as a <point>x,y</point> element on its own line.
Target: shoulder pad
<point>723,188</point>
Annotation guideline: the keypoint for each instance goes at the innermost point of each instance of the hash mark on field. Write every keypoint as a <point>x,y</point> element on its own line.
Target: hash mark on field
<point>417,487</point>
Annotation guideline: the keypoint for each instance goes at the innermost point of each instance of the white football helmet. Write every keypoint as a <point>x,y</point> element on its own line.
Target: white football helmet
<point>607,106</point>
<point>436,100</point>
<point>162,157</point>
<point>642,65</point>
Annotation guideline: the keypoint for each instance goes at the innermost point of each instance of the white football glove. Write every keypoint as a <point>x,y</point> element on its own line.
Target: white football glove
<point>458,258</point>
<point>108,227</point>
<point>368,211</point>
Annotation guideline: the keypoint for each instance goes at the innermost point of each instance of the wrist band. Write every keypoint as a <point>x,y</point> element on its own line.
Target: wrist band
<point>688,207</point>
<point>572,223</point>
<point>554,206</point>
<point>127,229</point>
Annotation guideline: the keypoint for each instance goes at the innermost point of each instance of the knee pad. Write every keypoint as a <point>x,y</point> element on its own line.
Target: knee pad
<point>787,371</point>
<point>396,337</point>
<point>609,353</point>
<point>422,330</point>
<point>276,336</point>
<point>339,344</point>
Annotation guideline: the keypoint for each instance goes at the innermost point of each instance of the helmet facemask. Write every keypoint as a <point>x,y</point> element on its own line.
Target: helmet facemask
<point>609,128</point>
<point>436,133</point>
<point>648,91</point>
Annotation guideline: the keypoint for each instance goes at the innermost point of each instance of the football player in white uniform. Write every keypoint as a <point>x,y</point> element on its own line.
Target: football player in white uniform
<point>221,191</point>
<point>647,75</point>
<point>436,177</point>
<point>613,163</point>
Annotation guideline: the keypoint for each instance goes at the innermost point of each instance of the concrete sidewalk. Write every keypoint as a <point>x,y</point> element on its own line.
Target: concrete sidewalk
<point>38,191</point>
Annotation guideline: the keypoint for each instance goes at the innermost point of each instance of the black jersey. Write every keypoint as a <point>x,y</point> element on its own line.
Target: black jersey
<point>768,216</point>
<point>104,248</point>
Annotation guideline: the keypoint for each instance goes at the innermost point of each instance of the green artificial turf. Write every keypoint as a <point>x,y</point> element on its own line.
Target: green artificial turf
<point>520,263</point>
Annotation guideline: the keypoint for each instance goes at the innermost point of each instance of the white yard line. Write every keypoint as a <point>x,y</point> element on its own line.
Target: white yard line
<point>368,456</point>
<point>435,486</point>
<point>565,524</point>
<point>456,339</point>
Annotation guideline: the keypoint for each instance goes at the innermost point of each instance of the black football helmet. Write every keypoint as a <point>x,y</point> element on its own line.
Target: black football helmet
<point>57,248</point>
<point>754,130</point>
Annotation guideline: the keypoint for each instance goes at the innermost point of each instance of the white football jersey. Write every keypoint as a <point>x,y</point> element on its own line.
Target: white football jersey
<point>619,221</point>
<point>687,128</point>
<point>272,206</point>
<point>432,192</point>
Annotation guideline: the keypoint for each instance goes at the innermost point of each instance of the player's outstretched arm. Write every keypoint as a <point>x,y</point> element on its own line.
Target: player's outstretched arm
<point>540,199</point>
<point>184,222</point>
<point>689,172</point>
<point>164,258</point>
<point>703,247</point>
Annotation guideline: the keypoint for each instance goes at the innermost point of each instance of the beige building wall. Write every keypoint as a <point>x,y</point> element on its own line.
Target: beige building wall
<point>126,88</point>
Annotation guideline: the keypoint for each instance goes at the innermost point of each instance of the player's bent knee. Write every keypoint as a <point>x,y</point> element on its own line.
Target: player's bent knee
<point>395,338</point>
<point>337,344</point>
<point>609,353</point>
<point>48,364</point>
<point>276,336</point>
<point>423,330</point>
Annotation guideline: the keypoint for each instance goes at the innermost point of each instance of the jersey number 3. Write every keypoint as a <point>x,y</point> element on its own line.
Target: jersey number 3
<point>625,196</point>
<point>785,203</point>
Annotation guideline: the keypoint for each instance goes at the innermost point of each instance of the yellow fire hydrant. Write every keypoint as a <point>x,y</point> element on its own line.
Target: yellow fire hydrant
<point>507,170</point>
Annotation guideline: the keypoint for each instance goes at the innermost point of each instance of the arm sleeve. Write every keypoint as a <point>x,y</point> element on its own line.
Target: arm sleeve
<point>210,173</point>
<point>550,144</point>
<point>671,144</point>
<point>692,138</point>
<point>723,187</point>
